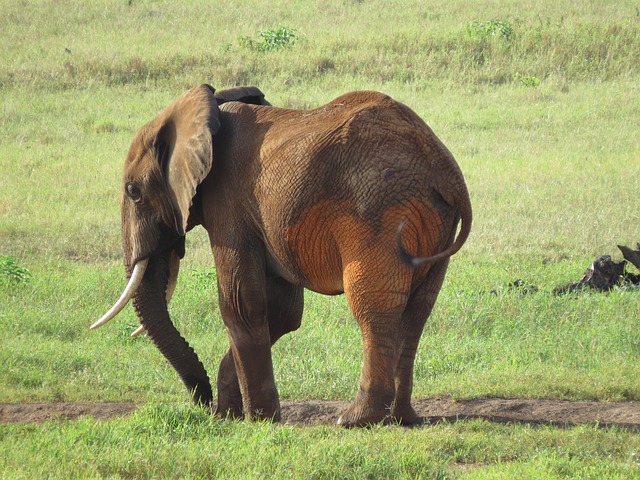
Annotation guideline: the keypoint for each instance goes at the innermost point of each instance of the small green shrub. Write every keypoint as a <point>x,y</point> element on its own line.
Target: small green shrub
<point>527,80</point>
<point>204,279</point>
<point>11,272</point>
<point>491,28</point>
<point>272,39</point>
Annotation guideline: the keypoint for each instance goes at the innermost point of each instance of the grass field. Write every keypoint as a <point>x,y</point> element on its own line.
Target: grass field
<point>538,101</point>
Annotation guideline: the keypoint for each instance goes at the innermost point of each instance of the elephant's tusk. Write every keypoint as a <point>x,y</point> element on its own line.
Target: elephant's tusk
<point>138,331</point>
<point>132,286</point>
<point>174,267</point>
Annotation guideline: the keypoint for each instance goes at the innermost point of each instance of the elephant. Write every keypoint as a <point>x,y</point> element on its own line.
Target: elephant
<point>357,197</point>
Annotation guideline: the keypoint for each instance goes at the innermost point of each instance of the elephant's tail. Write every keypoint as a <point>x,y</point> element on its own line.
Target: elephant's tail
<point>463,203</point>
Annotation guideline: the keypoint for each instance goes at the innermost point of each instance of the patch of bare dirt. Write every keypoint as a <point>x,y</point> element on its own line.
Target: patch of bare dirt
<point>431,410</point>
<point>41,412</point>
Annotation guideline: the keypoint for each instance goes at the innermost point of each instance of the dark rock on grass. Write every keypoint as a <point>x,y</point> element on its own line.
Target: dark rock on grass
<point>604,273</point>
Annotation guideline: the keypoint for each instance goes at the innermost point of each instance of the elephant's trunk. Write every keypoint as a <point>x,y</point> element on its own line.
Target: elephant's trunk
<point>174,264</point>
<point>151,287</point>
<point>150,304</point>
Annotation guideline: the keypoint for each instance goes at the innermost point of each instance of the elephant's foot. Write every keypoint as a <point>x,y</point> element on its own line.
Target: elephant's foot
<point>404,414</point>
<point>357,415</point>
<point>229,401</point>
<point>266,408</point>
<point>264,415</point>
<point>229,395</point>
<point>369,408</point>
<point>262,405</point>
<point>233,410</point>
<point>230,411</point>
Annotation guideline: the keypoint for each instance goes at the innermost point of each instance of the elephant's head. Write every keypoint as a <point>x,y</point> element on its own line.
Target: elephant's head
<point>168,158</point>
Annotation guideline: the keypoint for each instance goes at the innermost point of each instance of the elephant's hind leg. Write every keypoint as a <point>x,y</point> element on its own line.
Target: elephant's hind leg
<point>377,299</point>
<point>229,396</point>
<point>414,318</point>
<point>285,302</point>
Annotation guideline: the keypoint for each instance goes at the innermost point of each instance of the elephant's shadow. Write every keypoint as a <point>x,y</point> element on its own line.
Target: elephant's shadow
<point>434,411</point>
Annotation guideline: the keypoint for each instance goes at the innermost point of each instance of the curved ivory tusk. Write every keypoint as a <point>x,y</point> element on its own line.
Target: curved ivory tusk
<point>132,286</point>
<point>138,331</point>
<point>174,267</point>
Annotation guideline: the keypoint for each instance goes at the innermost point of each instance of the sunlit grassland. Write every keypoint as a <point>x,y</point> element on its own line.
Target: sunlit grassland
<point>551,173</point>
<point>476,344</point>
<point>543,122</point>
<point>360,42</point>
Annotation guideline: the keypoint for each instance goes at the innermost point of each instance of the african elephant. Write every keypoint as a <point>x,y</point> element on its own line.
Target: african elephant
<point>356,197</point>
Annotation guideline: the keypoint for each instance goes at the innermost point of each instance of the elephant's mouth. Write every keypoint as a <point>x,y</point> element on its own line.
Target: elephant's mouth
<point>175,252</point>
<point>173,255</point>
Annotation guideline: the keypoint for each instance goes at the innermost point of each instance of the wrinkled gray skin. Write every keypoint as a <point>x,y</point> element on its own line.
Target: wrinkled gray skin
<point>358,196</point>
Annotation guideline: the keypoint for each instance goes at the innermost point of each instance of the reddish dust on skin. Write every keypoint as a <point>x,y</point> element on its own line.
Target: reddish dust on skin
<point>431,410</point>
<point>331,239</point>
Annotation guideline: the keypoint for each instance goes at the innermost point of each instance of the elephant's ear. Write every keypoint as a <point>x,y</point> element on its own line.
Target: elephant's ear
<point>184,147</point>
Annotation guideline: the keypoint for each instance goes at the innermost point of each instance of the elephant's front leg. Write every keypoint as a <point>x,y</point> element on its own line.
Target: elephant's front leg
<point>285,304</point>
<point>243,304</point>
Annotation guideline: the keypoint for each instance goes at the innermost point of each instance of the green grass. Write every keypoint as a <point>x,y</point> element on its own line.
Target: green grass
<point>146,44</point>
<point>476,344</point>
<point>543,121</point>
<point>182,442</point>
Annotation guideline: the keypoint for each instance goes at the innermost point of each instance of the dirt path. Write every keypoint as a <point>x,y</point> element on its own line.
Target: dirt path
<point>432,410</point>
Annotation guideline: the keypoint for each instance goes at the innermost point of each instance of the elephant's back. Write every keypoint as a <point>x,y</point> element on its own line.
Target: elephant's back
<point>363,149</point>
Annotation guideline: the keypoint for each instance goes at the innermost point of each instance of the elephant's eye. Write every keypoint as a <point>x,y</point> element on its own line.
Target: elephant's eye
<point>134,192</point>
